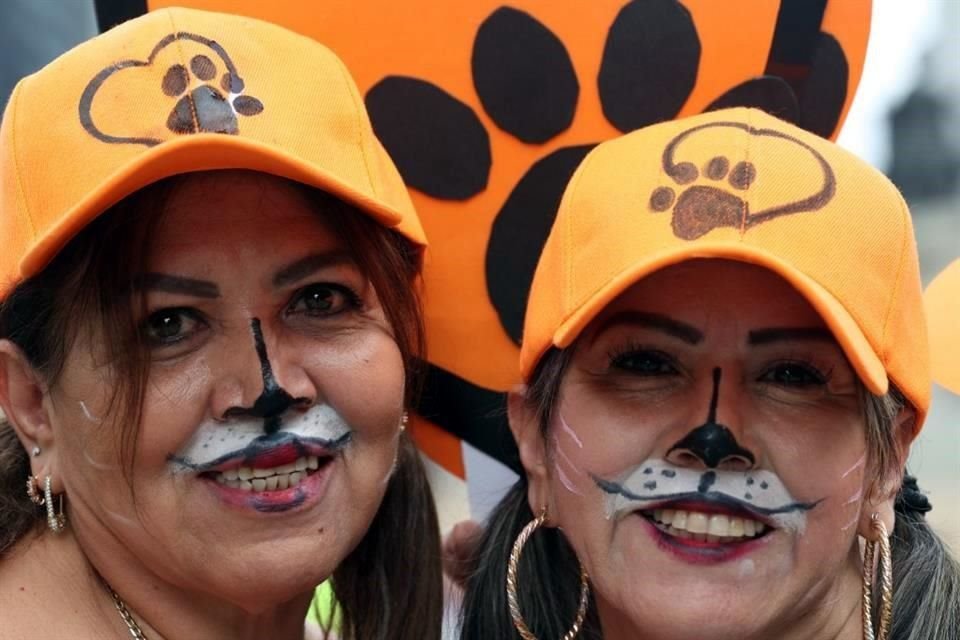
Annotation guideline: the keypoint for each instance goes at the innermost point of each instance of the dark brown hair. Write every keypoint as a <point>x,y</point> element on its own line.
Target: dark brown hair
<point>92,281</point>
<point>926,578</point>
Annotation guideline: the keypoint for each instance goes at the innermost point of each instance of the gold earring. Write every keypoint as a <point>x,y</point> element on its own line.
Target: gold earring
<point>514,601</point>
<point>885,565</point>
<point>33,491</point>
<point>56,521</point>
<point>403,421</point>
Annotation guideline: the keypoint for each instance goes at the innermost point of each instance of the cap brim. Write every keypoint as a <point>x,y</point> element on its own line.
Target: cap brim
<point>851,339</point>
<point>198,152</point>
<point>942,303</point>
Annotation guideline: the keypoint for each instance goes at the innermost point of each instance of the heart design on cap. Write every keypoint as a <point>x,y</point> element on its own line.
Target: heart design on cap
<point>205,108</point>
<point>699,209</point>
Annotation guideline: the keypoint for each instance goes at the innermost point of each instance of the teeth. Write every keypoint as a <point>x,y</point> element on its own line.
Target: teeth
<point>268,479</point>
<point>736,528</point>
<point>697,522</point>
<point>680,520</point>
<point>719,525</point>
<point>706,527</point>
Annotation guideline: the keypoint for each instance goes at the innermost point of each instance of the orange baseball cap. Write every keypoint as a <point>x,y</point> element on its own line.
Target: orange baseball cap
<point>739,184</point>
<point>172,92</point>
<point>942,302</point>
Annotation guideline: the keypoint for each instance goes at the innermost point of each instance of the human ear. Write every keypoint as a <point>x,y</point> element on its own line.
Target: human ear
<point>22,398</point>
<point>525,425</point>
<point>882,500</point>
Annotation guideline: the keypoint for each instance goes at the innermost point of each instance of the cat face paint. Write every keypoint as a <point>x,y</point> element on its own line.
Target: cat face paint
<point>263,450</point>
<point>319,431</point>
<point>758,496</point>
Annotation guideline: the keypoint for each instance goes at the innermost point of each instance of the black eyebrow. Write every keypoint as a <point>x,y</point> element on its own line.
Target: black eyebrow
<point>789,334</point>
<point>308,265</point>
<point>178,284</point>
<point>658,322</point>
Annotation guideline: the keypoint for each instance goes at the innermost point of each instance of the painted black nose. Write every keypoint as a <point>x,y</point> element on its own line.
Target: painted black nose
<point>274,400</point>
<point>711,444</point>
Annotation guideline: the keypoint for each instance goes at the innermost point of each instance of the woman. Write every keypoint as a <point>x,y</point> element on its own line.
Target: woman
<point>208,334</point>
<point>725,365</point>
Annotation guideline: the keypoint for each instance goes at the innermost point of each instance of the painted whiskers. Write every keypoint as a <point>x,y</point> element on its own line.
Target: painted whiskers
<point>318,431</point>
<point>658,484</point>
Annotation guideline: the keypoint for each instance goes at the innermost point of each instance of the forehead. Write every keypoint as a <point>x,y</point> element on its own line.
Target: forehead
<point>706,292</point>
<point>239,213</point>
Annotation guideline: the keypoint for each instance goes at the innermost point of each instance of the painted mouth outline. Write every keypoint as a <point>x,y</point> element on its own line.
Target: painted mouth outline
<point>264,445</point>
<point>718,501</point>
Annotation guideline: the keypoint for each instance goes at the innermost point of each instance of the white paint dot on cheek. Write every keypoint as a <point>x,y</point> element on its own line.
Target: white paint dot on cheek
<point>747,568</point>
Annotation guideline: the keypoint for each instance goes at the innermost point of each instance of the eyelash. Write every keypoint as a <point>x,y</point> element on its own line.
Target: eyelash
<point>815,376</point>
<point>181,312</point>
<point>352,300</point>
<point>617,358</point>
<point>819,378</point>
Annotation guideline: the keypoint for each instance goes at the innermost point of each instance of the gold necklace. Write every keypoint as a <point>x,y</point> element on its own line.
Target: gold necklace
<point>135,631</point>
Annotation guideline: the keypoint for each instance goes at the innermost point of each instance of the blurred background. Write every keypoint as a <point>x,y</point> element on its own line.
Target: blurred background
<point>905,120</point>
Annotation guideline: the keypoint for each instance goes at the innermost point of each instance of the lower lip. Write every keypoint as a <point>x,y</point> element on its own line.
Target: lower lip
<point>701,552</point>
<point>299,498</point>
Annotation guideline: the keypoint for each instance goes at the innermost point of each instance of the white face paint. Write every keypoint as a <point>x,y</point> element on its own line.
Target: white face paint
<point>215,443</point>
<point>562,462</point>
<point>657,481</point>
<point>86,413</point>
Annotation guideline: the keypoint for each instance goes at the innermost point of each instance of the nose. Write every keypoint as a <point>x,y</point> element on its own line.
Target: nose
<point>711,444</point>
<point>274,400</point>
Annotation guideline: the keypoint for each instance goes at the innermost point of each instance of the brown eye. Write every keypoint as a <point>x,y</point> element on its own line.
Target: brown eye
<point>793,374</point>
<point>324,300</point>
<point>644,363</point>
<point>169,326</point>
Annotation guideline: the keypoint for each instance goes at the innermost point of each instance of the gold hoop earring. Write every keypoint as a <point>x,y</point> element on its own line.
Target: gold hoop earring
<point>33,491</point>
<point>885,565</point>
<point>514,601</point>
<point>56,520</point>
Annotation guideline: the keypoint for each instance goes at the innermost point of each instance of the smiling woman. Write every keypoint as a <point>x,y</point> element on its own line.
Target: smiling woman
<point>208,339</point>
<point>721,391</point>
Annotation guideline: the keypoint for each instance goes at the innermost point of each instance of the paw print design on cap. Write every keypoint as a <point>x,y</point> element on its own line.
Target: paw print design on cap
<point>722,202</point>
<point>202,106</point>
<point>206,108</point>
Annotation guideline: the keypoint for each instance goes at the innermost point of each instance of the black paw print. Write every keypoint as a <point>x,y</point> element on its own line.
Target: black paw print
<point>525,80</point>
<point>702,208</point>
<point>206,108</point>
